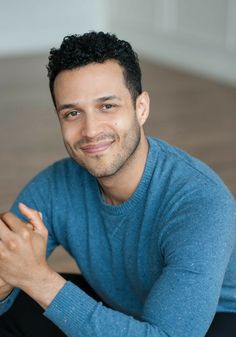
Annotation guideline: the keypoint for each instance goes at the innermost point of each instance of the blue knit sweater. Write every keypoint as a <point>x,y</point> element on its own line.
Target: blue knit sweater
<point>164,260</point>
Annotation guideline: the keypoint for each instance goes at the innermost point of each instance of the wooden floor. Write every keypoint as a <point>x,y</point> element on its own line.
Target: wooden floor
<point>191,112</point>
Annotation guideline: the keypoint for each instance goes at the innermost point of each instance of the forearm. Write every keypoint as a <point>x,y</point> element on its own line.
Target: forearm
<point>79,315</point>
<point>43,286</point>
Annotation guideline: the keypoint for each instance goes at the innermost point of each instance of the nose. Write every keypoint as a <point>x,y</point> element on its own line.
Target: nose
<point>90,126</point>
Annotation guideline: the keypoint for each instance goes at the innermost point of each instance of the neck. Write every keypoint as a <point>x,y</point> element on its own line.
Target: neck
<point>119,187</point>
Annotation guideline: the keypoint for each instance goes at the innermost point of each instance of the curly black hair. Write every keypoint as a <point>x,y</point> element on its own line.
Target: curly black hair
<point>95,47</point>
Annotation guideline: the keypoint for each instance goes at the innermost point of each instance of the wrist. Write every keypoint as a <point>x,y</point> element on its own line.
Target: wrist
<point>44,286</point>
<point>4,294</point>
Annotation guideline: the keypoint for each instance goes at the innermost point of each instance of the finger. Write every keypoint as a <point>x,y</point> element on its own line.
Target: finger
<point>5,232</point>
<point>13,222</point>
<point>1,215</point>
<point>34,217</point>
<point>28,225</point>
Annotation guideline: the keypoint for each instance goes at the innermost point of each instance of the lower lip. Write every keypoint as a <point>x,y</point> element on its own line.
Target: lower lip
<point>96,149</point>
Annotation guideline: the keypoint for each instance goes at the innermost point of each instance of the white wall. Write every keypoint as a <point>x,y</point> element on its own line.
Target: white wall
<point>30,26</point>
<point>197,35</point>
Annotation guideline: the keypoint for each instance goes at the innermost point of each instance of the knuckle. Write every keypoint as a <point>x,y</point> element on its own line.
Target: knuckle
<point>2,255</point>
<point>34,213</point>
<point>29,226</point>
<point>12,245</point>
<point>25,234</point>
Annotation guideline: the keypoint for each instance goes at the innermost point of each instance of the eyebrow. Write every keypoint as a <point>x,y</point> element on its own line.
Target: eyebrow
<point>99,99</point>
<point>107,98</point>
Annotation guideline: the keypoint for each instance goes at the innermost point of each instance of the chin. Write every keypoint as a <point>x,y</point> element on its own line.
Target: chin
<point>103,167</point>
<point>102,174</point>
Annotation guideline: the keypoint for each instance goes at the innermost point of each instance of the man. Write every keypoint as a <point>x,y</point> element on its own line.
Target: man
<point>151,228</point>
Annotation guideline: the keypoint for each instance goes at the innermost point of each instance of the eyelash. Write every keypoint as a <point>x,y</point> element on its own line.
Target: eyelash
<point>108,106</point>
<point>69,114</point>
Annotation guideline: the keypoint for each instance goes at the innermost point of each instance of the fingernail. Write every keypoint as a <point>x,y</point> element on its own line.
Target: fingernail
<point>21,204</point>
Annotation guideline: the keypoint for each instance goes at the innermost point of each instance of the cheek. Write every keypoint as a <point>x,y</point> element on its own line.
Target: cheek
<point>123,124</point>
<point>69,132</point>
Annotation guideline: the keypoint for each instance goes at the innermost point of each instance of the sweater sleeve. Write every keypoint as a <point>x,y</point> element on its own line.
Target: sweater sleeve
<point>36,195</point>
<point>8,301</point>
<point>197,241</point>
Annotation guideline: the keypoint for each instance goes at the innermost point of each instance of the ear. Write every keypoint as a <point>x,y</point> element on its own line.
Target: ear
<point>142,107</point>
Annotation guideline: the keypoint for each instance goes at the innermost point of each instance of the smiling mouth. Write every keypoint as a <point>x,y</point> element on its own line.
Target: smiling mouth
<point>96,148</point>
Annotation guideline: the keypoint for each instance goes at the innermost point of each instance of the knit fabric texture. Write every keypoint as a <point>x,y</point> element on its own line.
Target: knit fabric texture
<point>164,260</point>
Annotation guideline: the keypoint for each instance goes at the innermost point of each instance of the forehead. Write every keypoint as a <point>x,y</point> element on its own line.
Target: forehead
<point>96,79</point>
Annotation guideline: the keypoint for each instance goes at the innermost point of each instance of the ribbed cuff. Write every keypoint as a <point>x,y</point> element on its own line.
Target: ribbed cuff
<point>7,302</point>
<point>71,309</point>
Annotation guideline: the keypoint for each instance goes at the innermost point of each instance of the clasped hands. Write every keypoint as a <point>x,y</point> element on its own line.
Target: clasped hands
<point>22,249</point>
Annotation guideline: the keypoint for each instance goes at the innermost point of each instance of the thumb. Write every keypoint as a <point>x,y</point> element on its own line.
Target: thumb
<point>34,217</point>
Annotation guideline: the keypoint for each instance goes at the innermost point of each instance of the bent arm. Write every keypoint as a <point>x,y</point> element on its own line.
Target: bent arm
<point>197,242</point>
<point>38,201</point>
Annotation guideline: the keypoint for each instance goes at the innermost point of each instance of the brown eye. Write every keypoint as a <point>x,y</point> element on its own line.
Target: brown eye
<point>107,106</point>
<point>71,114</point>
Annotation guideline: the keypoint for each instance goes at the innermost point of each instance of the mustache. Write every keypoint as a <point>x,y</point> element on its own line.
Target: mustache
<point>87,141</point>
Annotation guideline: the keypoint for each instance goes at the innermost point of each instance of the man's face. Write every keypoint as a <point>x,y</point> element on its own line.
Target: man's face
<point>100,126</point>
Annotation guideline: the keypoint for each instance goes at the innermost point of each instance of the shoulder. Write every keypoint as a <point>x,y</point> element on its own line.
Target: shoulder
<point>51,187</point>
<point>184,170</point>
<point>62,166</point>
<point>53,182</point>
<point>65,170</point>
<point>190,192</point>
